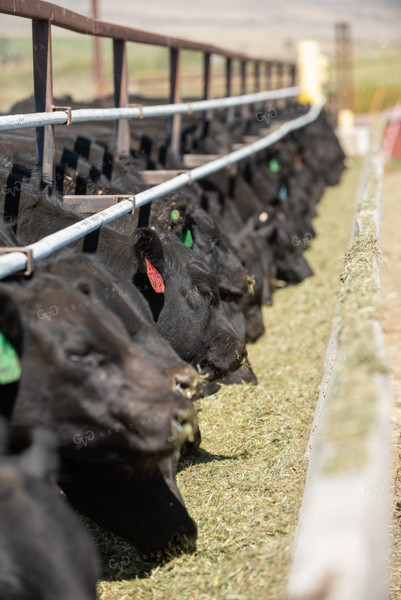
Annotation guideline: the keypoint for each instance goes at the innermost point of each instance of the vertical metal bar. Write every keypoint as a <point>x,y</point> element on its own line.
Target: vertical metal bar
<point>256,83</point>
<point>207,82</point>
<point>175,96</point>
<point>121,95</point>
<point>229,77</point>
<point>245,108</point>
<point>207,88</point>
<point>97,52</point>
<point>268,73</point>
<point>273,75</point>
<point>280,74</point>
<point>243,77</point>
<point>293,75</point>
<point>257,77</point>
<point>43,92</point>
<point>229,88</point>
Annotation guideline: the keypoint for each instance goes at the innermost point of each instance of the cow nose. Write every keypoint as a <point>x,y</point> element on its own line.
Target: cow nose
<point>250,284</point>
<point>181,543</point>
<point>240,352</point>
<point>184,427</point>
<point>183,379</point>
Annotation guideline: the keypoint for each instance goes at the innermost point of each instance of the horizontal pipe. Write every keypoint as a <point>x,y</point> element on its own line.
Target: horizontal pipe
<point>14,262</point>
<point>39,119</point>
<point>228,160</point>
<point>85,115</point>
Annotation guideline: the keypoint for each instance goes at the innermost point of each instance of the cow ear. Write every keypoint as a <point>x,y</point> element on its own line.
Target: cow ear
<point>146,244</point>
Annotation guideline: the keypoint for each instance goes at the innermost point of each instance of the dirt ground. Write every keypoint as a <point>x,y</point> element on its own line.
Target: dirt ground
<point>391,296</point>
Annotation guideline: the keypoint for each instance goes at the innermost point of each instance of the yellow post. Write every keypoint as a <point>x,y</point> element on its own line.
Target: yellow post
<point>309,72</point>
<point>346,119</point>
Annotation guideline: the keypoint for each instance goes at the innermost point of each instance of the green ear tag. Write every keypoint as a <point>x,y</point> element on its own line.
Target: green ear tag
<point>175,215</point>
<point>274,165</point>
<point>186,238</point>
<point>10,368</point>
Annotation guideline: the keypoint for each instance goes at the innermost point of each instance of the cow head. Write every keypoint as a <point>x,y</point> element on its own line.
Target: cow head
<point>321,150</point>
<point>82,378</point>
<point>188,312</point>
<point>290,264</point>
<point>114,292</point>
<point>198,230</point>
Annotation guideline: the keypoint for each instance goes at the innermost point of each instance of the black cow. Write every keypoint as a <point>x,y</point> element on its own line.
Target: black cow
<point>199,231</point>
<point>321,150</point>
<point>289,263</point>
<point>82,378</point>
<point>93,377</point>
<point>144,506</point>
<point>189,313</point>
<point>87,273</point>
<point>284,256</point>
<point>185,279</point>
<point>45,551</point>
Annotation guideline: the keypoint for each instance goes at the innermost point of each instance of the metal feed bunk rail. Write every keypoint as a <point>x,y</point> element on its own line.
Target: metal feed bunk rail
<point>16,261</point>
<point>44,15</point>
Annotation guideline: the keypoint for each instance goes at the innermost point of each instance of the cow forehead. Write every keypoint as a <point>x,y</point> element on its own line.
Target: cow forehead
<point>54,306</point>
<point>201,275</point>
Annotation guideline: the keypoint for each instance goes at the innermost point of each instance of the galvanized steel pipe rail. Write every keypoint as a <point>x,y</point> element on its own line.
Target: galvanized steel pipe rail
<point>84,115</point>
<point>17,261</point>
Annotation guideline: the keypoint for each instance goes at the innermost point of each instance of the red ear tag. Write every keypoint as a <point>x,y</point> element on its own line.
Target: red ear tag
<point>156,280</point>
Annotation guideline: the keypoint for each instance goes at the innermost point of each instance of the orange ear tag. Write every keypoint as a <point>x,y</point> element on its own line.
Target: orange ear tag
<point>156,280</point>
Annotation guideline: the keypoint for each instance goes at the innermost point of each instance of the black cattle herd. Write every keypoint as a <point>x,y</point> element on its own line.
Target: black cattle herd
<point>106,346</point>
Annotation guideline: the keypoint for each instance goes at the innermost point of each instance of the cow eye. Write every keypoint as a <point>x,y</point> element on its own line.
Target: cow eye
<point>208,293</point>
<point>84,358</point>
